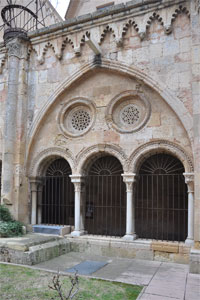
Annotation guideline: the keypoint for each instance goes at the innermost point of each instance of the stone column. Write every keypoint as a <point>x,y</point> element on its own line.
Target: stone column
<point>129,179</point>
<point>189,180</point>
<point>34,195</point>
<point>14,129</point>
<point>78,185</point>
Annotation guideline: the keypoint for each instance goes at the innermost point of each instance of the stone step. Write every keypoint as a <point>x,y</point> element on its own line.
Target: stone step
<point>52,229</point>
<point>31,255</point>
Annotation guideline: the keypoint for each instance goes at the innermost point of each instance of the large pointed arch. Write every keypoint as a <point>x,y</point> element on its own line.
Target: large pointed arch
<point>176,105</point>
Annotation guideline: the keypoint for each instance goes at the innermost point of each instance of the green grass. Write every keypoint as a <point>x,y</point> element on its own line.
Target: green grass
<point>18,283</point>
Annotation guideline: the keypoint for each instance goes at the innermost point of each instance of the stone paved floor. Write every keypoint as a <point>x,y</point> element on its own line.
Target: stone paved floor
<point>162,281</point>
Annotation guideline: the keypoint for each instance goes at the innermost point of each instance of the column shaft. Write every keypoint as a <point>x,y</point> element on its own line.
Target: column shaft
<point>130,210</point>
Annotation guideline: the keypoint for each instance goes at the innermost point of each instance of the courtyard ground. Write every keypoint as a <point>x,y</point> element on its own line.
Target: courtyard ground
<point>21,283</point>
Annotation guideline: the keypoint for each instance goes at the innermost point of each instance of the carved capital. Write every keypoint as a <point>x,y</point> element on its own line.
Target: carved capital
<point>78,182</point>
<point>34,183</point>
<point>189,180</point>
<point>17,47</point>
<point>129,179</point>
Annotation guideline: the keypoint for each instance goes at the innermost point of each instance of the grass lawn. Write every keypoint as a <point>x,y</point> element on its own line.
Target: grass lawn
<point>18,283</point>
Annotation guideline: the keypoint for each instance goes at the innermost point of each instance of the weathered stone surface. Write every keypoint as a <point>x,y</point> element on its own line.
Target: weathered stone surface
<point>148,47</point>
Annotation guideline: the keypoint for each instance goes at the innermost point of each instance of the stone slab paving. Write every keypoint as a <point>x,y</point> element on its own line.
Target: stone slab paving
<point>162,281</point>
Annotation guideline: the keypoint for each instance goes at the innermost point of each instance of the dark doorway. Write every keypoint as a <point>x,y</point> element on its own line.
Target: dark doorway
<point>105,209</point>
<point>58,194</point>
<point>161,199</point>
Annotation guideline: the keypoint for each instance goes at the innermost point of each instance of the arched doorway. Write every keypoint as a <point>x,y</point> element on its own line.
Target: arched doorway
<point>105,209</point>
<point>161,199</point>
<point>57,205</point>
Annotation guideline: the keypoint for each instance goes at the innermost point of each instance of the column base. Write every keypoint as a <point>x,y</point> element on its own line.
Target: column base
<point>78,233</point>
<point>130,237</point>
<point>189,241</point>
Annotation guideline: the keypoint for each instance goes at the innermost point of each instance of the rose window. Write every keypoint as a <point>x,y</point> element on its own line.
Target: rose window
<point>130,115</point>
<point>80,120</point>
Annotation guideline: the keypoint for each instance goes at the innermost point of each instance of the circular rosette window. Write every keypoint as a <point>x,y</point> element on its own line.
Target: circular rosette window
<point>76,117</point>
<point>128,112</point>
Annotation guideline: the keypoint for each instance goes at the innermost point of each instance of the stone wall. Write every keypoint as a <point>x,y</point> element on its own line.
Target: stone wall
<point>142,54</point>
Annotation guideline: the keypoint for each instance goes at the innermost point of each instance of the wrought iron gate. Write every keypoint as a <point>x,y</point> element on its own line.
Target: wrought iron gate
<point>105,209</point>
<point>57,203</point>
<point>161,199</point>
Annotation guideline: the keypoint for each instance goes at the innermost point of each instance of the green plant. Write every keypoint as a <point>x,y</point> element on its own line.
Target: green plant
<point>5,214</point>
<point>8,226</point>
<point>10,229</point>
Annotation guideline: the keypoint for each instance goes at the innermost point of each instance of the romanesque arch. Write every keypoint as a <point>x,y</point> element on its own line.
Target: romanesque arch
<point>159,146</point>
<point>85,158</point>
<point>41,161</point>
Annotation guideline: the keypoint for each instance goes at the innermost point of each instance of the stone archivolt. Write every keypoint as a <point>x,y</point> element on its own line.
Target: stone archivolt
<point>45,157</point>
<point>159,146</point>
<point>85,157</point>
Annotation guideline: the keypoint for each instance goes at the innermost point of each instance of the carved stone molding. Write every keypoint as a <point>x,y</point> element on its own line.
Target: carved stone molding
<point>43,158</point>
<point>158,146</point>
<point>189,180</point>
<point>85,157</point>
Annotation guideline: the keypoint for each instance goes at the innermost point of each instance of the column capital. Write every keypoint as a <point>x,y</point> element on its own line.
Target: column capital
<point>189,180</point>
<point>17,47</point>
<point>77,180</point>
<point>34,182</point>
<point>129,178</point>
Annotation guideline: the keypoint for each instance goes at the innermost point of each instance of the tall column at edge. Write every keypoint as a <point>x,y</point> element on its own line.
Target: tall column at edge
<point>189,180</point>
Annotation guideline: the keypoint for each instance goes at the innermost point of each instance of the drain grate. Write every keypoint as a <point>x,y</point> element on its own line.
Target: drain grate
<point>87,267</point>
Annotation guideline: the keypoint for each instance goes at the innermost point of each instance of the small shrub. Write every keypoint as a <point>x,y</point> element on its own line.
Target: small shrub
<point>8,226</point>
<point>5,214</point>
<point>11,229</point>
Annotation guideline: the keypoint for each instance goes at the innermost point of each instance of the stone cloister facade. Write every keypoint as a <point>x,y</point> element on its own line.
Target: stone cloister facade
<point>121,82</point>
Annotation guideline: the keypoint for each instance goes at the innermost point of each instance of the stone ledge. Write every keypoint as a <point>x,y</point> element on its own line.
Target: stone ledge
<point>194,264</point>
<point>165,247</point>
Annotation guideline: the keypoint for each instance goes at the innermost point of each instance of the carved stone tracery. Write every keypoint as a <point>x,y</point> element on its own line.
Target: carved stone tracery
<point>128,112</point>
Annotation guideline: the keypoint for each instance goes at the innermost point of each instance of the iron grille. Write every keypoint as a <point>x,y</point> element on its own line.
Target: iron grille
<point>56,199</point>
<point>105,212</point>
<point>161,199</point>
